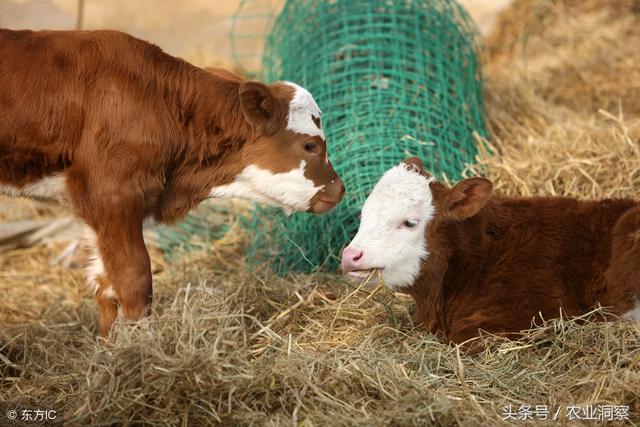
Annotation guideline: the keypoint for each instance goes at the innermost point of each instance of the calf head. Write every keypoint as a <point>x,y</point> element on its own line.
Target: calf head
<point>400,227</point>
<point>285,163</point>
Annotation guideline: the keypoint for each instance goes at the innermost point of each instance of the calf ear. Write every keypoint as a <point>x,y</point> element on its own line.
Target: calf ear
<point>467,197</point>
<point>416,164</point>
<point>260,108</point>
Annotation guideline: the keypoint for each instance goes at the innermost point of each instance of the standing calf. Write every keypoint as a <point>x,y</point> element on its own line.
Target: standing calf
<point>472,260</point>
<point>123,133</point>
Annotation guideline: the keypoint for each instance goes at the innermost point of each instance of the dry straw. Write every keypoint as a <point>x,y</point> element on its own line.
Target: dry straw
<point>232,347</point>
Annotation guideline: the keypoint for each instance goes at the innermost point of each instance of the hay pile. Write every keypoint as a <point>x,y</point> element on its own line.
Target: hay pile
<point>228,346</point>
<point>581,54</point>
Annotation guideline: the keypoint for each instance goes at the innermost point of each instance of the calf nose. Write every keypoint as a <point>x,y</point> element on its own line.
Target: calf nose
<point>335,191</point>
<point>351,258</point>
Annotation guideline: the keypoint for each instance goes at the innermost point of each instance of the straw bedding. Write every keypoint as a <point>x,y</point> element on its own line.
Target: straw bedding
<point>225,345</point>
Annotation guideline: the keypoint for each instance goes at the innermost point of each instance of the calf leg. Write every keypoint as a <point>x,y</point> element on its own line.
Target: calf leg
<point>107,308</point>
<point>120,272</point>
<point>120,269</point>
<point>96,278</point>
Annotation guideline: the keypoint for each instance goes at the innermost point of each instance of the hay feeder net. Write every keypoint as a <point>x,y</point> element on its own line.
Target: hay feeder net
<point>393,79</point>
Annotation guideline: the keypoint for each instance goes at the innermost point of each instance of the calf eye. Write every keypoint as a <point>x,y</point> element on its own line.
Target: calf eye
<point>310,147</point>
<point>410,223</point>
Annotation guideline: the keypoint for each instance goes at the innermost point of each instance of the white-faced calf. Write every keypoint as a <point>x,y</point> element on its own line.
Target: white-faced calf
<point>475,261</point>
<point>122,133</point>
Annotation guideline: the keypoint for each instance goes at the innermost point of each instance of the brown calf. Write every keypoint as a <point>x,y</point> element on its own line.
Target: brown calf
<point>474,261</point>
<point>123,133</point>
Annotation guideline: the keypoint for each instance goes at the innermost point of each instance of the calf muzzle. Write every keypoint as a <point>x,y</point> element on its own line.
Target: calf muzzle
<point>327,198</point>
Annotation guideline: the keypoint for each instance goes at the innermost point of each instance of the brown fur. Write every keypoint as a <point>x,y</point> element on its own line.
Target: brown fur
<point>137,133</point>
<point>496,263</point>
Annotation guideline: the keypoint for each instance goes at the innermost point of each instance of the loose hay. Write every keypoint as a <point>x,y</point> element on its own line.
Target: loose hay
<point>227,346</point>
<point>224,346</point>
<point>582,54</point>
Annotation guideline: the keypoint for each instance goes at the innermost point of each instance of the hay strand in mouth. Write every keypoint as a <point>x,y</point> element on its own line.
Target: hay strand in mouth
<point>378,288</point>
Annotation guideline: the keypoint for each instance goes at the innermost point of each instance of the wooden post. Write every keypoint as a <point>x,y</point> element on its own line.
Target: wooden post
<point>80,16</point>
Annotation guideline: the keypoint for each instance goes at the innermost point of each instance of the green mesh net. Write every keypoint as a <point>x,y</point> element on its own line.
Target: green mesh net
<point>198,231</point>
<point>394,78</point>
<point>250,25</point>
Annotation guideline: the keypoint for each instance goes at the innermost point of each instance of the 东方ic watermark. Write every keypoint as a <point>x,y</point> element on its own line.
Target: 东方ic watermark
<point>32,415</point>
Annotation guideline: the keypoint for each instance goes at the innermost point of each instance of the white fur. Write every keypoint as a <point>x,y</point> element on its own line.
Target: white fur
<point>301,109</point>
<point>48,188</point>
<point>109,293</point>
<point>149,223</point>
<point>95,268</point>
<point>401,194</point>
<point>291,190</point>
<point>634,313</point>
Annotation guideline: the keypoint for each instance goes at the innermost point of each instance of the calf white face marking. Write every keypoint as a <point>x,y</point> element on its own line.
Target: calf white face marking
<point>48,188</point>
<point>391,234</point>
<point>291,191</point>
<point>304,113</point>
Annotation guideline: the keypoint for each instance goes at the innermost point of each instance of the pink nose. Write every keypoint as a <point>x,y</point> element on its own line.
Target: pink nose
<point>352,259</point>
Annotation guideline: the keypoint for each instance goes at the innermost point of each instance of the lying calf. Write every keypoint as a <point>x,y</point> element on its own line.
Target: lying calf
<point>472,260</point>
<point>124,133</point>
